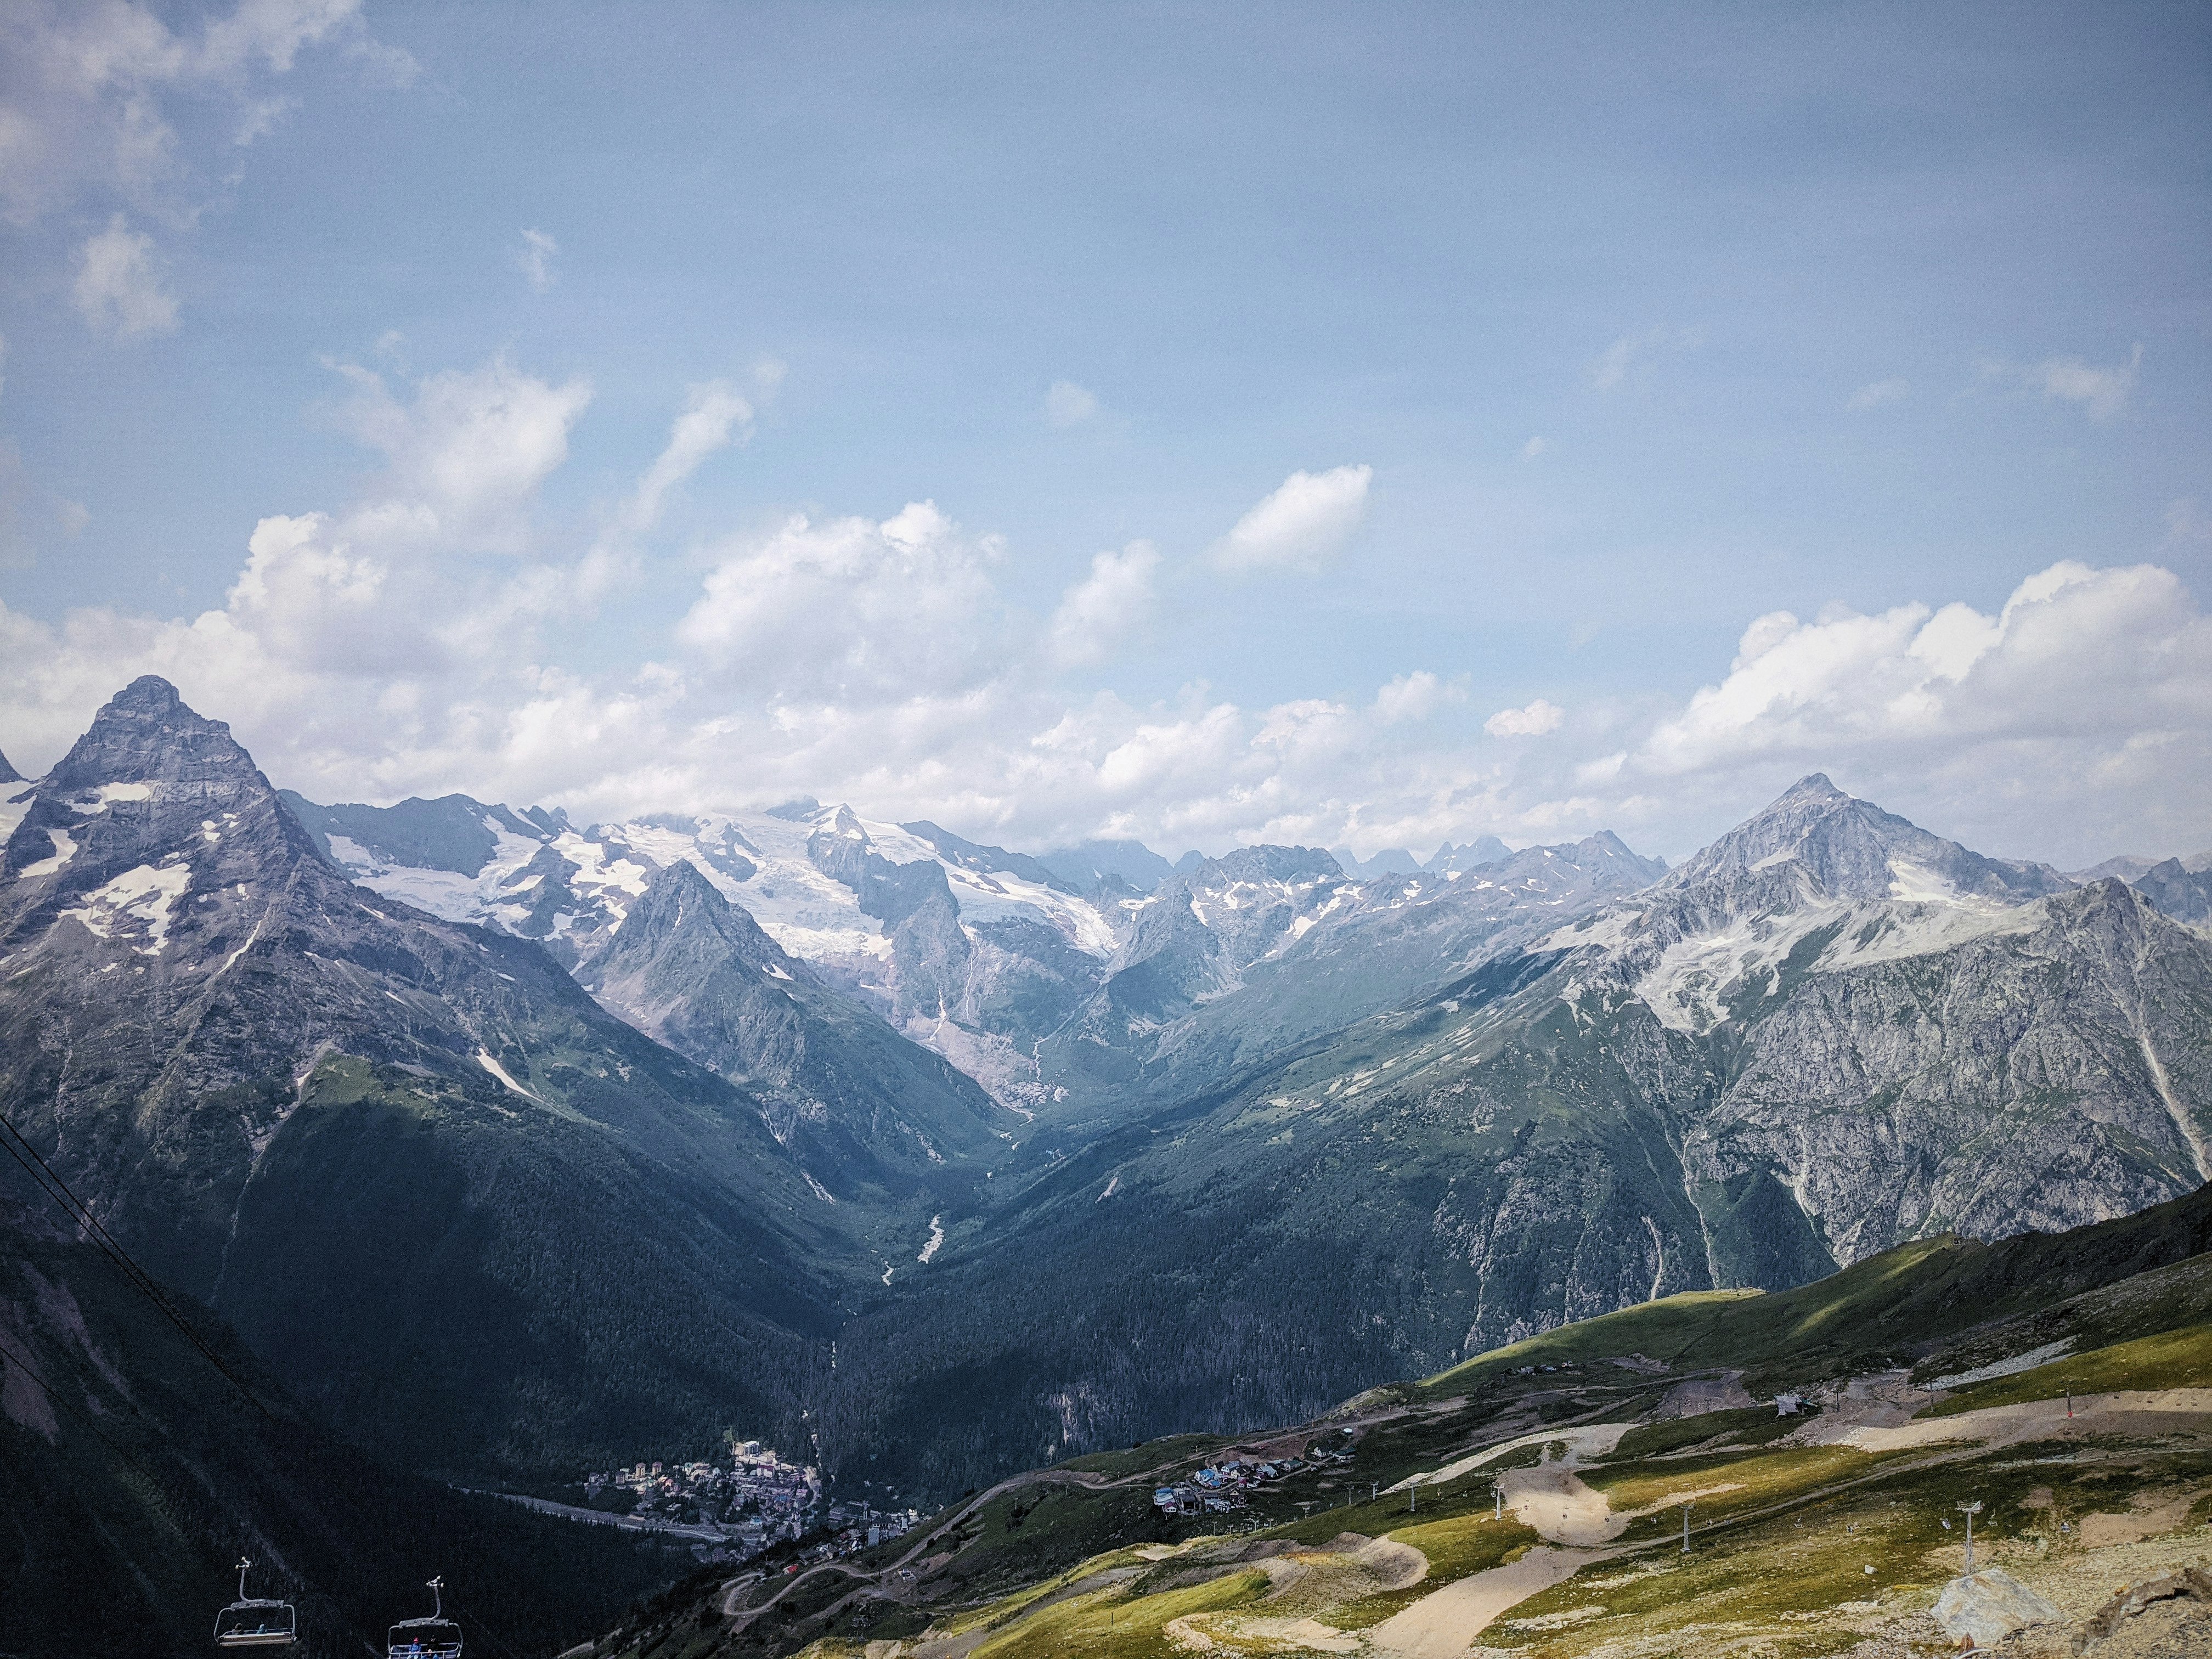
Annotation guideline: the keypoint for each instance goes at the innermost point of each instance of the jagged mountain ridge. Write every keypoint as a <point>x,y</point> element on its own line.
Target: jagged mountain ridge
<point>275,1082</point>
<point>1549,1112</point>
<point>1254,954</point>
<point>863,1106</point>
<point>1738,1076</point>
<point>994,960</point>
<point>969,950</point>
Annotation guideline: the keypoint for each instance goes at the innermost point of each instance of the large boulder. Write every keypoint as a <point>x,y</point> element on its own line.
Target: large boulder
<point>1989,1606</point>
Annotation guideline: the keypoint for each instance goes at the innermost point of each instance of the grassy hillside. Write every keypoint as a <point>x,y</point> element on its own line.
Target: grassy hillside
<point>1788,1512</point>
<point>1900,1305</point>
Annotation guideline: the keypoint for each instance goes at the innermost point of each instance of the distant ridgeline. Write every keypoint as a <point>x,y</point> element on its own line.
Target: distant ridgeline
<point>514,1148</point>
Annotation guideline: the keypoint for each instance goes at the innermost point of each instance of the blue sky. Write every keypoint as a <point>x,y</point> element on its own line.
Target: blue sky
<point>1598,335</point>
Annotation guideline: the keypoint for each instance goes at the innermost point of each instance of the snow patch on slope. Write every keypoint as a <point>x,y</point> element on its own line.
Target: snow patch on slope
<point>64,849</point>
<point>144,897</point>
<point>484,1059</point>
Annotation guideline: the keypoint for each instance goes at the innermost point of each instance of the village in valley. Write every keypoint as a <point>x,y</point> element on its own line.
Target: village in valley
<point>729,1514</point>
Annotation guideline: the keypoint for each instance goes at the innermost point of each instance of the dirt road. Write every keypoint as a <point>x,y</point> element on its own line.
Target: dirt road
<point>1444,1624</point>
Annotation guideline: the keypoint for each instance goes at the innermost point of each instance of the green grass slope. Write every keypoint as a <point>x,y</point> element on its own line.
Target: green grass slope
<point>1897,1306</point>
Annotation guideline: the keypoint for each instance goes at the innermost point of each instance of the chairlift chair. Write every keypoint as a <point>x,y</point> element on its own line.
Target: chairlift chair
<point>435,1638</point>
<point>248,1623</point>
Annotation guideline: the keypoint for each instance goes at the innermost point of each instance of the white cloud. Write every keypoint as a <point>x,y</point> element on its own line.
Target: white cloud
<point>1302,525</point>
<point>1415,697</point>
<point>714,417</point>
<point>1069,405</point>
<point>2104,392</point>
<point>1875,393</point>
<point>81,111</point>
<point>1613,368</point>
<point>393,646</point>
<point>1539,718</point>
<point>117,290</point>
<point>535,259</point>
<point>470,449</point>
<point>1097,613</point>
<point>852,612</point>
<point>2089,693</point>
<point>86,96</point>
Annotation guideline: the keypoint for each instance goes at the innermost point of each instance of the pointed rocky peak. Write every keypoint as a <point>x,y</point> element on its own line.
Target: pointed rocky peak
<point>1814,788</point>
<point>9,774</point>
<point>684,919</point>
<point>1816,841</point>
<point>147,735</point>
<point>1296,865</point>
<point>1483,849</point>
<point>150,787</point>
<point>2182,893</point>
<point>1605,850</point>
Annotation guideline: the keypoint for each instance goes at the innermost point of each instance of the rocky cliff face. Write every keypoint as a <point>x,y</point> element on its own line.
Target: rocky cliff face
<point>970,950</point>
<point>861,1106</point>
<point>1242,961</point>
<point>375,1138</point>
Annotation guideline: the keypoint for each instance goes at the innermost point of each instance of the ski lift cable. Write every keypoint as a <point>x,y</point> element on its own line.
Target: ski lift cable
<point>54,1187</point>
<point>31,1371</point>
<point>126,1268</point>
<point>147,1470</point>
<point>50,1186</point>
<point>109,1440</point>
<point>81,1213</point>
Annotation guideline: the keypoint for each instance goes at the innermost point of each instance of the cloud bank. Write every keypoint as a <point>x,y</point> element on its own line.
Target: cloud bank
<point>406,643</point>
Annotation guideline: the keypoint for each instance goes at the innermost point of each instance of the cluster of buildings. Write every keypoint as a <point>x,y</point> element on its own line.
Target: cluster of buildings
<point>1220,1488</point>
<point>757,1500</point>
<point>861,1527</point>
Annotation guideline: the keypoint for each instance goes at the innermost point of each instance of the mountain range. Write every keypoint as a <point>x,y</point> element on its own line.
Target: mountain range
<point>514,1146</point>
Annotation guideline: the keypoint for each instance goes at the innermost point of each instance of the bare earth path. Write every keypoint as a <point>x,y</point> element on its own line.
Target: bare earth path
<point>1443,1625</point>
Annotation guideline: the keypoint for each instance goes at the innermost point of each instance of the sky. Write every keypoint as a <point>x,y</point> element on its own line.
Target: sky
<point>1368,426</point>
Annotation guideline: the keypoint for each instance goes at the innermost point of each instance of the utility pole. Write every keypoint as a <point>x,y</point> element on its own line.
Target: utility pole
<point>1413,1499</point>
<point>1686,1529</point>
<point>1498,1492</point>
<point>1970,1511</point>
